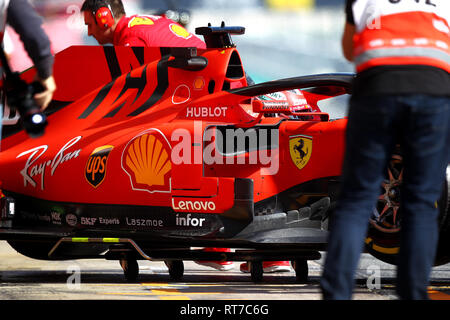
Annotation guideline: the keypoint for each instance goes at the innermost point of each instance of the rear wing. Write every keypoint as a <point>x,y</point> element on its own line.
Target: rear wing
<point>320,82</point>
<point>314,88</point>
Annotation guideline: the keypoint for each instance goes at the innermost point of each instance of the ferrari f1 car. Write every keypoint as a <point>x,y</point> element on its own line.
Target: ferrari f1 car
<point>155,153</point>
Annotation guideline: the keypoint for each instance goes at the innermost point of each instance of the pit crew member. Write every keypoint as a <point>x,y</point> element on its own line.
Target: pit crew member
<point>107,22</point>
<point>401,94</point>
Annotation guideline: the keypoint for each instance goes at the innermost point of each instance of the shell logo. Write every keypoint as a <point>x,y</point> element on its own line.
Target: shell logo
<point>139,21</point>
<point>179,31</point>
<point>199,83</point>
<point>146,160</point>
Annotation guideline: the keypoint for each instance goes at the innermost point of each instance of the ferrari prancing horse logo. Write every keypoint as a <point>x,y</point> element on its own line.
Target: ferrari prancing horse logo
<point>300,148</point>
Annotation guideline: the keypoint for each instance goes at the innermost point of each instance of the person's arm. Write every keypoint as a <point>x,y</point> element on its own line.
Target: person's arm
<point>23,18</point>
<point>349,31</point>
<point>44,98</point>
<point>347,41</point>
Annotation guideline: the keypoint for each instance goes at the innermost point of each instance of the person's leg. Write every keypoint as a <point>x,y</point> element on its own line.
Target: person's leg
<point>369,141</point>
<point>425,152</point>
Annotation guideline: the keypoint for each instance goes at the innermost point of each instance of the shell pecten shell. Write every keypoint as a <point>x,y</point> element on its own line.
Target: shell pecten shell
<point>148,161</point>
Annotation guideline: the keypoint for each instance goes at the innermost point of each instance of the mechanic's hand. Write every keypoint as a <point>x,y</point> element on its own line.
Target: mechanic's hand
<point>43,98</point>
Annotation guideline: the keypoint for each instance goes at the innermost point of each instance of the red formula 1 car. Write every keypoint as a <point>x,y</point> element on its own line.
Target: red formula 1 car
<point>150,153</point>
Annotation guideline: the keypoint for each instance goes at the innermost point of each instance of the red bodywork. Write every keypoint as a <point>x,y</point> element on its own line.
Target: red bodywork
<point>128,136</point>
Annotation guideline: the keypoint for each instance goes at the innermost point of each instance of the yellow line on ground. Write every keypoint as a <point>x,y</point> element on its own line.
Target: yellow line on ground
<point>437,295</point>
<point>162,292</point>
<point>200,293</point>
<point>165,292</point>
<point>174,298</point>
<point>129,293</point>
<point>180,285</point>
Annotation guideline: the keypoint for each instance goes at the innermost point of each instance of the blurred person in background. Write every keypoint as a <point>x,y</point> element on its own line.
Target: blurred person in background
<point>62,23</point>
<point>23,18</point>
<point>107,22</point>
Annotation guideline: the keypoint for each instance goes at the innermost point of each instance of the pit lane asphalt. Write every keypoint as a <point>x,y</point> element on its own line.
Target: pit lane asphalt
<point>22,278</point>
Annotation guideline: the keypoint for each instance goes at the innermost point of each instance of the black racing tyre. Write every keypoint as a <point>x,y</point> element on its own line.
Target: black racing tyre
<point>176,269</point>
<point>130,269</point>
<point>383,237</point>
<point>256,271</point>
<point>301,270</point>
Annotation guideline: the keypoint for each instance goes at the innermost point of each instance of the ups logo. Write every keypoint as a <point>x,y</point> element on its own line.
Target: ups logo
<point>96,165</point>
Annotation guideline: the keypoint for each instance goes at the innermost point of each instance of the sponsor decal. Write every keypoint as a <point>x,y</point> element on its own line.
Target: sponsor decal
<point>140,21</point>
<point>34,168</point>
<point>179,31</point>
<point>300,148</point>
<point>280,105</point>
<point>181,94</point>
<point>71,219</point>
<point>199,83</point>
<point>189,205</point>
<point>90,221</point>
<point>95,170</point>
<point>56,217</point>
<point>188,221</point>
<point>146,160</point>
<point>203,112</point>
<point>280,96</point>
<point>87,221</point>
<point>144,222</point>
<point>108,221</point>
<point>284,100</point>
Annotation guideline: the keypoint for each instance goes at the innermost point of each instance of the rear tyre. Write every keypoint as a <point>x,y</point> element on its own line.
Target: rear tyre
<point>383,238</point>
